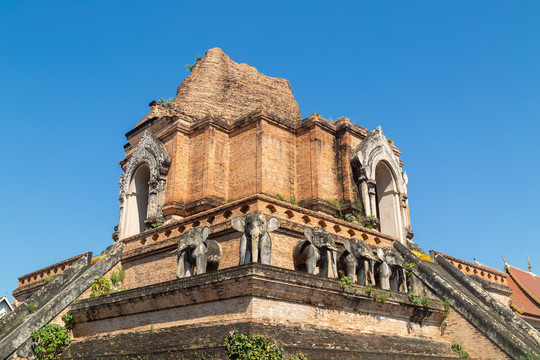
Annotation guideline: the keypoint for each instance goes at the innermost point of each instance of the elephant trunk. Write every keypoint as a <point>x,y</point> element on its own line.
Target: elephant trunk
<point>182,246</point>
<point>181,256</point>
<point>255,234</point>
<point>333,262</point>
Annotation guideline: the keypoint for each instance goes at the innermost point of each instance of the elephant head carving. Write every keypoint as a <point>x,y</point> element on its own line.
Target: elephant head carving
<point>392,275</point>
<point>317,249</point>
<point>255,244</point>
<point>196,252</point>
<point>358,261</point>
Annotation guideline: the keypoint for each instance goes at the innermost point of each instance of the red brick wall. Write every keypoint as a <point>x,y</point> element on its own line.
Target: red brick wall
<point>457,329</point>
<point>243,162</point>
<point>277,161</point>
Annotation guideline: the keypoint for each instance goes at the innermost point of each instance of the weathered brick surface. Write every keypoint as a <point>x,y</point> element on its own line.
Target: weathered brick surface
<point>148,258</point>
<point>243,161</point>
<point>277,169</point>
<point>306,175</point>
<point>192,342</point>
<point>255,293</point>
<point>459,330</point>
<point>224,149</point>
<point>258,154</point>
<point>305,313</point>
<point>224,88</point>
<point>197,165</point>
<point>150,269</point>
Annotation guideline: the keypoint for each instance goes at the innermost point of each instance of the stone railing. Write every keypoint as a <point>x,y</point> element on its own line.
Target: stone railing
<point>481,271</point>
<point>52,270</point>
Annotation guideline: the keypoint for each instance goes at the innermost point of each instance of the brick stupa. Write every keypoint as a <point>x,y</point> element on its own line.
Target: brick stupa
<point>233,146</point>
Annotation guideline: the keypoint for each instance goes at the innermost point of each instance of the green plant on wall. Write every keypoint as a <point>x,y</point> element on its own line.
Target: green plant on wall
<point>49,341</point>
<point>528,356</point>
<point>457,348</point>
<point>446,304</point>
<point>31,307</point>
<point>244,347</point>
<point>344,280</point>
<point>381,297</point>
<point>255,347</point>
<point>101,286</point>
<point>67,318</point>
<point>368,289</point>
<point>166,102</point>
<point>117,276</point>
<point>293,200</point>
<point>190,67</point>
<point>370,221</point>
<point>409,268</point>
<point>418,300</point>
<point>336,204</point>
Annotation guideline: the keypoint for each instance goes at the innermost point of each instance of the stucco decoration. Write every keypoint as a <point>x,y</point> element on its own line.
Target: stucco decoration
<point>374,151</point>
<point>151,152</point>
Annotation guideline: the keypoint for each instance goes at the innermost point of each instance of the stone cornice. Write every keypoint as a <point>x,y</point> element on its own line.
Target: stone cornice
<point>337,128</point>
<point>251,280</point>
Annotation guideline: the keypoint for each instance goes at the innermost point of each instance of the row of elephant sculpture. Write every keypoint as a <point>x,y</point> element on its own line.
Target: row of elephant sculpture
<point>196,254</point>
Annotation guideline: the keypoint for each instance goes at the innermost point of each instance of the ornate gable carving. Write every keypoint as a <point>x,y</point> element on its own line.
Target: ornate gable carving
<point>149,151</point>
<point>374,149</point>
<point>152,153</point>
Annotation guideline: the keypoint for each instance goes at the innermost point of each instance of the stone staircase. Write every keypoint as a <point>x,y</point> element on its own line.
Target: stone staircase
<point>497,322</point>
<point>16,327</point>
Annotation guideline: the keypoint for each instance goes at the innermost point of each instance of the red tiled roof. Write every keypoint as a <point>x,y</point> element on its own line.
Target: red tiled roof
<point>526,292</point>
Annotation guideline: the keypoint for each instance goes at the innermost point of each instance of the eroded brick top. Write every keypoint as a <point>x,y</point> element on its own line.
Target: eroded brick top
<point>220,87</point>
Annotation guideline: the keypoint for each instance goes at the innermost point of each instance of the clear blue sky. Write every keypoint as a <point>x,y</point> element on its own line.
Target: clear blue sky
<point>456,84</point>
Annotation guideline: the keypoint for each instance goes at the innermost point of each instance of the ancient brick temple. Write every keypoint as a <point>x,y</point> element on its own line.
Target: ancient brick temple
<point>237,214</point>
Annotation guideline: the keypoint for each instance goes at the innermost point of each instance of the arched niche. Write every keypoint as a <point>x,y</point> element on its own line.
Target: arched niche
<point>382,185</point>
<point>145,173</point>
<point>137,201</point>
<point>387,200</point>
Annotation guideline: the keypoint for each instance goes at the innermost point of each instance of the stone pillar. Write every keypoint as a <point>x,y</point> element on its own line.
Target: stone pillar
<point>372,189</point>
<point>365,197</point>
<point>404,211</point>
<point>400,230</point>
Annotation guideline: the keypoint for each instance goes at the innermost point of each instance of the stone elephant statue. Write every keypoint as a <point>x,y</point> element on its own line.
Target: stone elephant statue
<point>317,249</point>
<point>358,261</point>
<point>195,251</point>
<point>392,275</point>
<point>255,244</point>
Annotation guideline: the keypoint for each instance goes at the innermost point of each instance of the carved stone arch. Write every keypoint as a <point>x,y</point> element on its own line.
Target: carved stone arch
<point>381,155</point>
<point>373,151</point>
<point>151,153</point>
